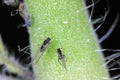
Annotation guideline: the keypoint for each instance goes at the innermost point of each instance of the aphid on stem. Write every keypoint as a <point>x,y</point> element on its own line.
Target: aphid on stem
<point>61,58</point>
<point>45,44</point>
<point>41,50</point>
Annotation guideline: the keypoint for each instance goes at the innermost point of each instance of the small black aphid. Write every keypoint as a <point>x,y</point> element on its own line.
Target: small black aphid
<point>61,58</point>
<point>45,44</point>
<point>43,47</point>
<point>60,55</point>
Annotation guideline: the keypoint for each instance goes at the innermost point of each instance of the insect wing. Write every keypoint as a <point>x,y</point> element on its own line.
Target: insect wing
<point>61,58</point>
<point>63,62</point>
<point>37,58</point>
<point>41,50</point>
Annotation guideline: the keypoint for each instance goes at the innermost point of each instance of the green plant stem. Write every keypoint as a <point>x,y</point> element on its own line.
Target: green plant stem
<point>66,23</point>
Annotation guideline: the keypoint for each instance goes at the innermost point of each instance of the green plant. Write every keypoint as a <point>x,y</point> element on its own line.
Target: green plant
<point>66,23</point>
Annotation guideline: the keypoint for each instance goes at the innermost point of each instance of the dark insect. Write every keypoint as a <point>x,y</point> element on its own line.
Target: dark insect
<point>61,58</point>
<point>45,44</point>
<point>43,47</point>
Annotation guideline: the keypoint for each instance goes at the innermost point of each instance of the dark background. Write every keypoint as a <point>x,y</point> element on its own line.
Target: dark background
<point>13,36</point>
<point>113,40</point>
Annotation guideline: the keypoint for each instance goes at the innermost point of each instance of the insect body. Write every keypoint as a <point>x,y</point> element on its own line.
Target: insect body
<point>43,47</point>
<point>45,44</point>
<point>61,58</point>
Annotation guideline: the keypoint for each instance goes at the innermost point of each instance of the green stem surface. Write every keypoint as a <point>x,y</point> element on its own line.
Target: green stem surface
<point>66,23</point>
